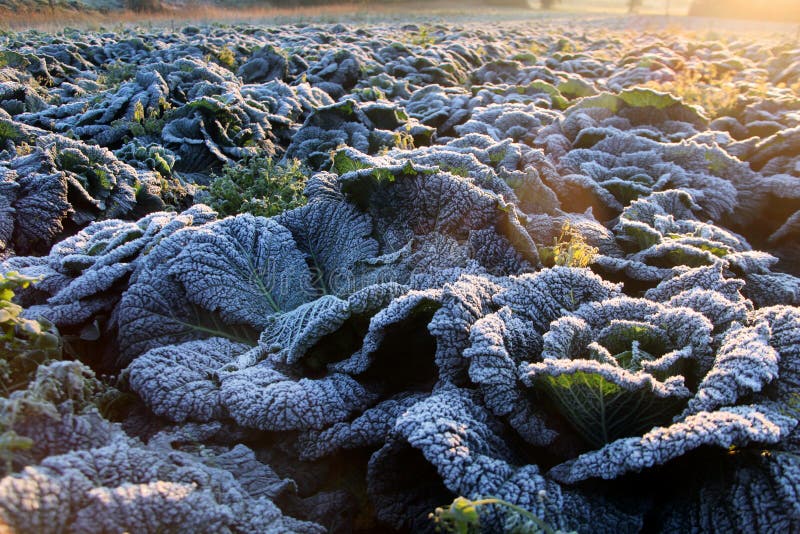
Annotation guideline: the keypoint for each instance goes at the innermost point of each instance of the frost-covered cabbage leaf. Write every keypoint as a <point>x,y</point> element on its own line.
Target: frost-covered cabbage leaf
<point>85,274</point>
<point>223,278</point>
<point>501,341</point>
<point>724,428</point>
<point>391,345</point>
<point>406,201</point>
<point>623,167</point>
<point>110,120</point>
<point>757,493</point>
<point>615,368</point>
<point>63,184</point>
<point>126,486</point>
<point>92,477</point>
<point>216,128</point>
<point>452,445</point>
<point>264,388</point>
<point>237,276</point>
<point>199,380</point>
<point>177,381</point>
<point>663,236</point>
<point>57,412</point>
<point>367,128</point>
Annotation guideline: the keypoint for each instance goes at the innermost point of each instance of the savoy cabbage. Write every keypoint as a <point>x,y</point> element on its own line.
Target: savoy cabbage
<point>515,275</point>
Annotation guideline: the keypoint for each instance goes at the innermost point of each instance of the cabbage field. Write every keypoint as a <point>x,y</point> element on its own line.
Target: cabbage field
<point>528,276</point>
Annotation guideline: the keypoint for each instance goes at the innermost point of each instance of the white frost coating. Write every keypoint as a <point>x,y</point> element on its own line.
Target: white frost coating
<point>451,156</point>
<point>740,425</point>
<point>745,363</point>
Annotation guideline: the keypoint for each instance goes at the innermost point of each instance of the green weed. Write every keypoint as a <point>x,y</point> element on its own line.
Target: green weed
<point>569,249</point>
<point>259,186</point>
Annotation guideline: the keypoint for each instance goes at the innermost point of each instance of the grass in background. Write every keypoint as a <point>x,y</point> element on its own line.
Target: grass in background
<point>776,10</point>
<point>715,92</point>
<point>56,19</point>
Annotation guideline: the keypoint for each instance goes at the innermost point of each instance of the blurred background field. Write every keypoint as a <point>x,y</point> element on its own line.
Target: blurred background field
<point>54,15</point>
